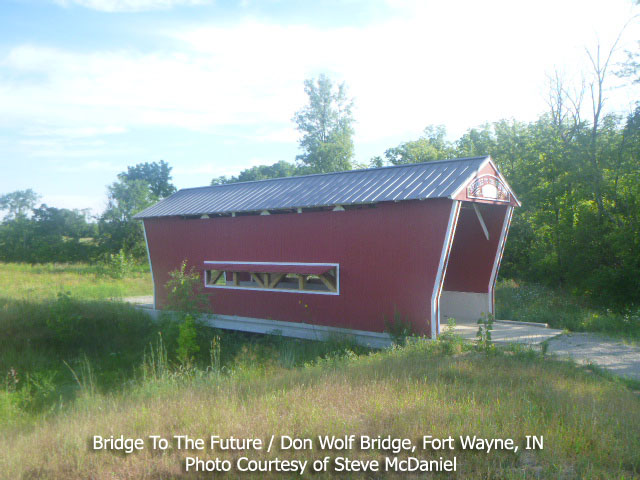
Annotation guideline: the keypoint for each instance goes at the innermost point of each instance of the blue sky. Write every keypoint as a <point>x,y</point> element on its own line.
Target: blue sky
<point>88,87</point>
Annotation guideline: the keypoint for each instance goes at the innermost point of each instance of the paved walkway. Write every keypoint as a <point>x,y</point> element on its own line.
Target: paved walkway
<point>509,332</point>
<point>584,348</point>
<point>144,301</point>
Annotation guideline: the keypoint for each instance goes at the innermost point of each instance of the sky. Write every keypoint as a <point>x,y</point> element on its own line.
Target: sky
<point>89,87</point>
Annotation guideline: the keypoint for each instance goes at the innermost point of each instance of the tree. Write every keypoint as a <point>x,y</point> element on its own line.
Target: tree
<point>326,126</point>
<point>18,204</point>
<point>156,175</point>
<point>136,189</point>
<point>433,145</point>
<point>261,172</point>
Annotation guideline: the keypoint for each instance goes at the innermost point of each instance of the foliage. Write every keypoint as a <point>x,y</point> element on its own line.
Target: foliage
<point>186,296</point>
<point>185,292</point>
<point>261,172</point>
<point>326,126</point>
<point>55,349</point>
<point>156,175</point>
<point>136,189</point>
<point>578,226</point>
<point>448,342</point>
<point>485,325</point>
<point>48,234</point>
<point>399,328</point>
<point>118,265</point>
<point>433,145</point>
<point>18,204</point>
<point>187,340</point>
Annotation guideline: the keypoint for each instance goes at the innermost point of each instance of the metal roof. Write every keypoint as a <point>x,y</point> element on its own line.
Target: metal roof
<point>416,181</point>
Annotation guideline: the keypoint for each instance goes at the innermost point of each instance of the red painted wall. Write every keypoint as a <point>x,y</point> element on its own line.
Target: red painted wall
<point>472,255</point>
<point>388,258</point>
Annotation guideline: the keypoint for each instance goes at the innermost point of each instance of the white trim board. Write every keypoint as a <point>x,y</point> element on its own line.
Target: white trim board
<point>442,268</point>
<point>481,220</point>
<point>231,287</point>
<point>291,329</point>
<point>146,242</point>
<point>498,259</point>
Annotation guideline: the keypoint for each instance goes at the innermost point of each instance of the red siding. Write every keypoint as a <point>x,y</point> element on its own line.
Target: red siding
<point>472,255</point>
<point>388,258</point>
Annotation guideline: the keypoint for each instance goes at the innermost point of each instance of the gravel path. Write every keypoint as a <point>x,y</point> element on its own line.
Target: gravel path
<point>614,355</point>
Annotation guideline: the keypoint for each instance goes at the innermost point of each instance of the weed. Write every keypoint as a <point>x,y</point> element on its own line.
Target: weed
<point>399,328</point>
<point>85,377</point>
<point>187,344</point>
<point>485,325</point>
<point>11,380</point>
<point>214,353</point>
<point>448,342</point>
<point>117,265</point>
<point>185,293</point>
<point>155,363</point>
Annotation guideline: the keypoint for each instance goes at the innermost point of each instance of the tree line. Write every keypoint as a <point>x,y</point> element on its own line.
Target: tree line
<point>577,176</point>
<point>39,234</point>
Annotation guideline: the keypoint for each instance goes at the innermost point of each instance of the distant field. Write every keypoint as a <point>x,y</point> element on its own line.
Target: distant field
<point>45,281</point>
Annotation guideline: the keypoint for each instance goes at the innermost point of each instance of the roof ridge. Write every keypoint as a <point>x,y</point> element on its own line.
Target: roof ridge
<point>342,172</point>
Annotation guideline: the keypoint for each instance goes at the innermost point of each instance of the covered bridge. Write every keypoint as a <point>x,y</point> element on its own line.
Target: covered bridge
<point>340,252</point>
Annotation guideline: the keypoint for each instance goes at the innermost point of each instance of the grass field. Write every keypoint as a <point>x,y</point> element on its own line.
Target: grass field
<point>74,365</point>
<point>88,282</point>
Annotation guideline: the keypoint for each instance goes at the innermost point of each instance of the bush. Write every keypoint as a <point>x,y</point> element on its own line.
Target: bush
<point>187,340</point>
<point>399,328</point>
<point>117,265</point>
<point>185,291</point>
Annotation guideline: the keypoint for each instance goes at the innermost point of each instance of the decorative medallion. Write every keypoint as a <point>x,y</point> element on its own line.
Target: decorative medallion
<point>488,187</point>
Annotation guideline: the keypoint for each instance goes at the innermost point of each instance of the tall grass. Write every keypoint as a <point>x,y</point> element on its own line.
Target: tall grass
<point>72,366</point>
<point>45,281</point>
<point>591,426</point>
<point>54,350</point>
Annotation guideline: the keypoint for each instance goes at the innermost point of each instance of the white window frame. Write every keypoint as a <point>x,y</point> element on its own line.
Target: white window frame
<point>257,289</point>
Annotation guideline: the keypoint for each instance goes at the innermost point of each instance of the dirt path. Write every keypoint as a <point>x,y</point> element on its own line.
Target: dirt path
<point>614,355</point>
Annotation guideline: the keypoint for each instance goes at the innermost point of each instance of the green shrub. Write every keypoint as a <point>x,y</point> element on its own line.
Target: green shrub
<point>185,292</point>
<point>399,328</point>
<point>483,336</point>
<point>118,265</point>
<point>187,340</point>
<point>448,342</point>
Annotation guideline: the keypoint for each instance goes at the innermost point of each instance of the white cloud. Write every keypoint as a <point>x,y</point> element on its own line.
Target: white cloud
<point>444,63</point>
<point>129,5</point>
<point>74,132</point>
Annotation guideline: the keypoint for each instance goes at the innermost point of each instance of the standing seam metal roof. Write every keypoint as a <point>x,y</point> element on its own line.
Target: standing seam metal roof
<point>416,181</point>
